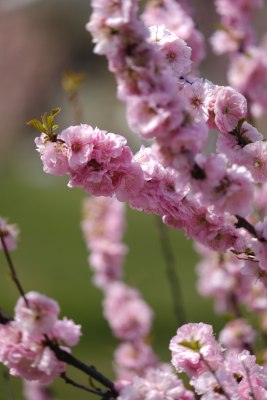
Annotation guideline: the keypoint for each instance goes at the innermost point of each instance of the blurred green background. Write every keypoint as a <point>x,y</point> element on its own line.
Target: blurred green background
<point>38,40</point>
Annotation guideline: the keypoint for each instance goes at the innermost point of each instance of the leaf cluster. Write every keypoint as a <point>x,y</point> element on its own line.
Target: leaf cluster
<point>47,124</point>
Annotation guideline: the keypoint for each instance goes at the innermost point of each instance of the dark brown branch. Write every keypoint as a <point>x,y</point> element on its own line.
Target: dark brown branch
<point>249,381</point>
<point>88,370</point>
<point>13,270</point>
<point>4,317</point>
<point>222,391</point>
<point>243,223</point>
<point>105,395</point>
<point>170,263</point>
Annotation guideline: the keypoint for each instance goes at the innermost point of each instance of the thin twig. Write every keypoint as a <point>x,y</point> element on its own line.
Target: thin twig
<point>249,381</point>
<point>78,385</point>
<point>4,317</point>
<point>215,376</point>
<point>88,370</point>
<point>170,263</point>
<point>243,223</point>
<point>13,270</point>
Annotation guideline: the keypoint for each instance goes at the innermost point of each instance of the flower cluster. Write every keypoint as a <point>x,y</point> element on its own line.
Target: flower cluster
<point>129,317</point>
<point>213,373</point>
<point>23,346</point>
<point>248,63</point>
<point>103,226</point>
<point>98,161</point>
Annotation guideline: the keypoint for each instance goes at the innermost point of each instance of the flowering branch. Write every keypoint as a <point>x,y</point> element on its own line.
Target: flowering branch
<point>221,390</point>
<point>77,385</point>
<point>251,393</point>
<point>12,269</point>
<point>89,370</point>
<point>4,317</point>
<point>243,223</point>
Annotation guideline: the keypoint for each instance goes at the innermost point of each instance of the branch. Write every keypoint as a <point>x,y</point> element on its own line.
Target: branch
<point>104,395</point>
<point>4,317</point>
<point>221,388</point>
<point>243,223</point>
<point>13,270</point>
<point>69,359</point>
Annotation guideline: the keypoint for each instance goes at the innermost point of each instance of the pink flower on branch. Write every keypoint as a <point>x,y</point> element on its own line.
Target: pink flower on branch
<point>9,234</point>
<point>103,228</point>
<point>22,340</point>
<point>195,350</point>
<point>130,318</point>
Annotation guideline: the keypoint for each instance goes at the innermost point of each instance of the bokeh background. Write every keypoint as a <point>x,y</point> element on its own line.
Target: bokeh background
<point>38,41</point>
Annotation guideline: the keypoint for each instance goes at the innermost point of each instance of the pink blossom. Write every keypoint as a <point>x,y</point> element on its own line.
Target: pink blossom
<point>53,155</point>
<point>213,230</point>
<point>178,20</point>
<point>226,41</point>
<point>191,136</point>
<point>260,203</point>
<point>158,384</point>
<point>133,358</point>
<point>193,347</point>
<point>237,334</point>
<point>228,8</point>
<point>227,189</point>
<point>22,341</point>
<point>251,376</point>
<point>174,50</point>
<point>230,106</point>
<point>33,390</point>
<point>103,227</point>
<point>195,93</point>
<point>216,385</point>
<point>106,260</point>
<point>66,331</point>
<point>159,194</point>
<point>78,139</point>
<point>129,316</point>
<point>9,234</point>
<point>256,160</point>
<point>101,164</point>
<point>220,278</point>
<point>234,143</point>
<point>30,360</point>
<point>248,70</point>
<point>115,12</point>
<point>39,316</point>
<point>154,114</point>
<point>210,95</point>
<point>259,244</point>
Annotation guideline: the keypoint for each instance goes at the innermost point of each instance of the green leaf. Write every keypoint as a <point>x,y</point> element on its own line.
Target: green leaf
<point>35,123</point>
<point>46,124</point>
<point>55,111</point>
